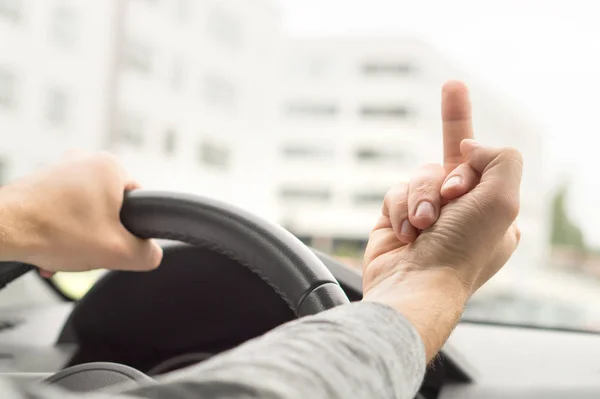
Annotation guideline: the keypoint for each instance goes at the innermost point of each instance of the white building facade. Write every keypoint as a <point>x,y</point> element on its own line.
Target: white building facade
<point>209,97</point>
<point>196,99</point>
<point>181,90</point>
<point>54,58</point>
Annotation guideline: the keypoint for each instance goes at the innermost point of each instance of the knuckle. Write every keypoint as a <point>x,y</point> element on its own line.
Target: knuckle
<point>427,182</point>
<point>106,159</point>
<point>424,189</point>
<point>103,164</point>
<point>513,155</point>
<point>514,210</point>
<point>517,236</point>
<point>429,172</point>
<point>396,196</point>
<point>509,205</point>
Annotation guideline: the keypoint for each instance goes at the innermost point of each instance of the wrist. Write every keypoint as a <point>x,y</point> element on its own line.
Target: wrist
<point>431,299</point>
<point>18,235</point>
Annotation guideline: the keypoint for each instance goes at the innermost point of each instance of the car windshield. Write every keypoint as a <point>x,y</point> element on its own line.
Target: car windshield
<point>305,112</point>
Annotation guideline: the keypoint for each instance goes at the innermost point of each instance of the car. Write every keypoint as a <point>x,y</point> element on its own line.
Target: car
<point>228,276</point>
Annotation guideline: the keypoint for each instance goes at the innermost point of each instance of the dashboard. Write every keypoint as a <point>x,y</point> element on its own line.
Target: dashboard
<point>478,361</point>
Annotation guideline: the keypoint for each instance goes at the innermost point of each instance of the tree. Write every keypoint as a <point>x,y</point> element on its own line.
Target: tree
<point>565,233</point>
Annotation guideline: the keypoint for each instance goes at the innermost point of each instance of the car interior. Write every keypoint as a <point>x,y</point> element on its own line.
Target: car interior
<point>228,276</point>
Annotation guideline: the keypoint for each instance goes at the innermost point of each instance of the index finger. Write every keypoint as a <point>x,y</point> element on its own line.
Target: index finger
<point>457,122</point>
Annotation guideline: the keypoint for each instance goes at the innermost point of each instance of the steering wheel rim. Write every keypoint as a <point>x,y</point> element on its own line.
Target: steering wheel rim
<point>270,251</point>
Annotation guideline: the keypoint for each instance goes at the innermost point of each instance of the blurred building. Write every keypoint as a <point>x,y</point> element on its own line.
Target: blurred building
<point>357,116</point>
<point>55,63</point>
<point>182,90</point>
<point>209,97</point>
<point>195,96</point>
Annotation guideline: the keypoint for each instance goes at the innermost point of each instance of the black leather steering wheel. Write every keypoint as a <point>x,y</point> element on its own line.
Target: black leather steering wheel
<point>286,264</point>
<point>283,262</point>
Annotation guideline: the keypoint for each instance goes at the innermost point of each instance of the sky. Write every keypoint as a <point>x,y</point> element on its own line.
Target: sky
<point>542,55</point>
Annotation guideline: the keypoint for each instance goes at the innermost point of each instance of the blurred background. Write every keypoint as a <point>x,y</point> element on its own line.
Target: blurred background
<point>306,112</point>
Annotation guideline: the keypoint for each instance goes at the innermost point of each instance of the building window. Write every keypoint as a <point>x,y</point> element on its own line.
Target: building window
<point>130,130</point>
<point>11,10</point>
<point>65,26</point>
<point>214,155</point>
<point>7,88</point>
<point>316,110</point>
<point>387,68</point>
<point>299,152</point>
<point>311,67</point>
<point>293,194</point>
<point>170,142</point>
<point>382,155</point>
<point>384,112</point>
<point>225,28</point>
<point>368,198</point>
<point>138,57</point>
<point>218,92</point>
<point>57,107</point>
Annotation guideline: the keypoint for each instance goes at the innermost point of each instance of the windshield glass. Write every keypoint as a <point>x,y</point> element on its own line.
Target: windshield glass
<point>306,111</point>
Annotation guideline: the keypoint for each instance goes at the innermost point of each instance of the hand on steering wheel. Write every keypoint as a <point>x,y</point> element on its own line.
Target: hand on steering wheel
<point>65,217</point>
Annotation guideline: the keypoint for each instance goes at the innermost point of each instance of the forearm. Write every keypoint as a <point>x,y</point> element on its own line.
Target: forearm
<point>362,350</point>
<point>432,300</point>
<point>356,351</point>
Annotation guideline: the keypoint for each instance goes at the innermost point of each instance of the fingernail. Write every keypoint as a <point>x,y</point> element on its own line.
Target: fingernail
<point>454,181</point>
<point>405,230</point>
<point>425,210</point>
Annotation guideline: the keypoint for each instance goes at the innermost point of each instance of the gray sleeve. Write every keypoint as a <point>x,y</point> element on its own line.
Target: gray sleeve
<point>362,350</point>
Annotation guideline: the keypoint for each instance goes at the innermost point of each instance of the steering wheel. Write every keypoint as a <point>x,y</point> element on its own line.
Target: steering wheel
<point>290,268</point>
<point>287,265</point>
